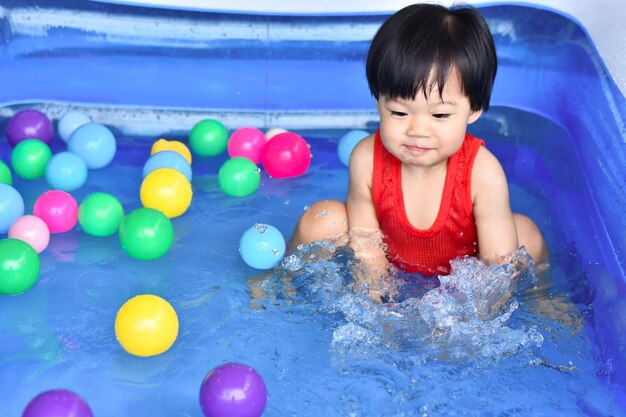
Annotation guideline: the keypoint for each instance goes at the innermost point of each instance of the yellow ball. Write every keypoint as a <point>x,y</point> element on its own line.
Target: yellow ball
<point>146,325</point>
<point>171,145</point>
<point>166,190</point>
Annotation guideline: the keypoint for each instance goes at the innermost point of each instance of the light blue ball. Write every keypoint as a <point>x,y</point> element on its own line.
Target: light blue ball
<point>66,171</point>
<point>11,207</point>
<point>94,143</point>
<point>262,246</point>
<point>347,144</point>
<point>71,121</point>
<point>168,159</point>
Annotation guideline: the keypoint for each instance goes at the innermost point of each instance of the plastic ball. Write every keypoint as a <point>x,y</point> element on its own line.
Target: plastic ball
<point>247,142</point>
<point>32,230</point>
<point>5,174</point>
<point>66,171</point>
<point>208,138</point>
<point>11,207</point>
<point>29,159</point>
<point>29,124</point>
<point>57,209</point>
<point>171,145</point>
<point>262,246</point>
<point>146,325</point>
<point>19,266</point>
<point>167,190</point>
<point>57,403</point>
<point>71,121</point>
<point>146,234</point>
<point>239,177</point>
<point>347,144</point>
<point>168,159</point>
<point>100,214</point>
<point>94,143</point>
<point>273,132</point>
<point>286,155</point>
<point>233,389</point>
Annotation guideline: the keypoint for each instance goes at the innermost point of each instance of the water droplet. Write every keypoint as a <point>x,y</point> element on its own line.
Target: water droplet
<point>276,252</point>
<point>257,170</point>
<point>322,213</point>
<point>260,227</point>
<point>286,202</point>
<point>306,208</point>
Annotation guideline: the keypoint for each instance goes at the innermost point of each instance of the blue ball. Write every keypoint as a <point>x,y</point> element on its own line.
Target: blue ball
<point>71,121</point>
<point>11,207</point>
<point>347,144</point>
<point>94,143</point>
<point>262,246</point>
<point>168,159</point>
<point>66,171</point>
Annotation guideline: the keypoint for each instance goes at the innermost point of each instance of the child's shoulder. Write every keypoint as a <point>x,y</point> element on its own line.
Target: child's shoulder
<point>363,151</point>
<point>487,171</point>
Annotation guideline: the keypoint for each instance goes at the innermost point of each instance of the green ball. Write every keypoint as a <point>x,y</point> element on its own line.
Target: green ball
<point>5,174</point>
<point>239,177</point>
<point>100,214</point>
<point>29,159</point>
<point>208,138</point>
<point>146,234</point>
<point>19,266</point>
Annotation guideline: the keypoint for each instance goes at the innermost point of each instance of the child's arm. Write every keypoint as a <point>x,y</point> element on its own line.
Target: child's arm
<point>365,237</point>
<point>497,235</point>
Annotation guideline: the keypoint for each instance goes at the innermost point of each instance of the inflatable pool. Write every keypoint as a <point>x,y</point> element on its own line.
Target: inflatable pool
<point>557,124</point>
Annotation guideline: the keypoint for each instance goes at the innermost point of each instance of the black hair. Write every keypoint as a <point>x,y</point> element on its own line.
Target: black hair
<point>423,38</point>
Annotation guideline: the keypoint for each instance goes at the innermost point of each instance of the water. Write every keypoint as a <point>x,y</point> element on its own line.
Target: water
<point>322,347</point>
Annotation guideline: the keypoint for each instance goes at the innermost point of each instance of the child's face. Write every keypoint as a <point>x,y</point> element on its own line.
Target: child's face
<point>425,132</point>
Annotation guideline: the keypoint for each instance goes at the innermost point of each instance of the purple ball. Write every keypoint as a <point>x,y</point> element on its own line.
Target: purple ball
<point>57,403</point>
<point>29,124</point>
<point>233,390</point>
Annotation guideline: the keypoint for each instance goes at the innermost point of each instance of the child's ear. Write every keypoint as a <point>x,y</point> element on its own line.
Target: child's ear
<point>475,115</point>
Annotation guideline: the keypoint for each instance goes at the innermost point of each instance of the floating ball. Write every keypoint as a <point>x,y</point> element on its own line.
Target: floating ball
<point>66,171</point>
<point>146,234</point>
<point>71,121</point>
<point>347,144</point>
<point>29,159</point>
<point>247,142</point>
<point>11,207</point>
<point>57,209</point>
<point>32,230</point>
<point>286,155</point>
<point>171,145</point>
<point>57,403</point>
<point>146,325</point>
<point>19,266</point>
<point>239,177</point>
<point>168,159</point>
<point>166,190</point>
<point>273,132</point>
<point>233,390</point>
<point>208,138</point>
<point>262,246</point>
<point>29,124</point>
<point>5,174</point>
<point>100,214</point>
<point>94,143</point>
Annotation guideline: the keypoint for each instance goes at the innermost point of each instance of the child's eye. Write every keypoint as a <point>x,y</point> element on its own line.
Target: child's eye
<point>398,113</point>
<point>441,115</point>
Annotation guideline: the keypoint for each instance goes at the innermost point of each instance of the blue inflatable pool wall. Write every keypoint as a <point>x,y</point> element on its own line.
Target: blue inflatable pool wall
<point>158,71</point>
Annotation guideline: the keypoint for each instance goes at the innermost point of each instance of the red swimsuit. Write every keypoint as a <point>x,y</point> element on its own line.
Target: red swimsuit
<point>454,232</point>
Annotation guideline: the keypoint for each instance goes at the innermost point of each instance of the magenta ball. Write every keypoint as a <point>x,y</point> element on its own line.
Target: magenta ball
<point>233,390</point>
<point>57,209</point>
<point>29,124</point>
<point>32,230</point>
<point>57,403</point>
<point>286,155</point>
<point>247,142</point>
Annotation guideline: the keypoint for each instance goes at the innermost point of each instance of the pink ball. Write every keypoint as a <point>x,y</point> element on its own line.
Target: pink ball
<point>58,209</point>
<point>32,230</point>
<point>286,155</point>
<point>247,142</point>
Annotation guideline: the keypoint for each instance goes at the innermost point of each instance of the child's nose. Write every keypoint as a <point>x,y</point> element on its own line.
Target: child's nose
<point>418,127</point>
